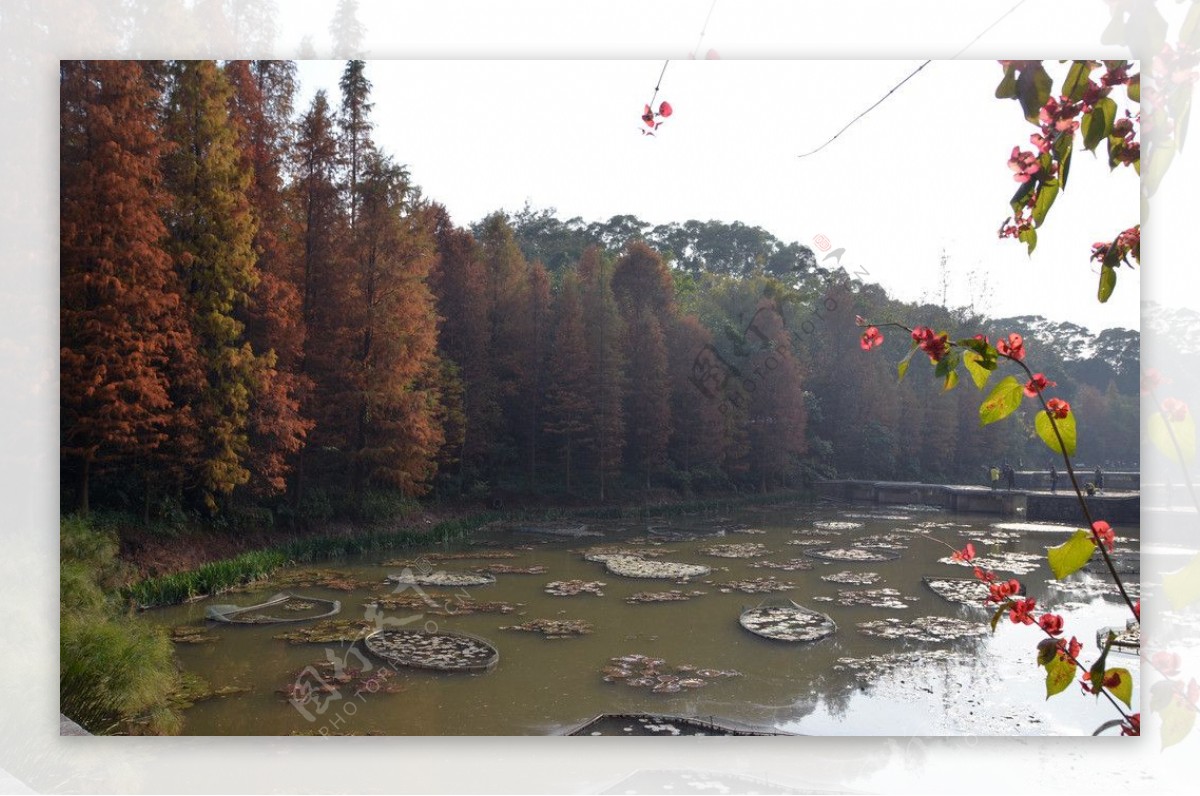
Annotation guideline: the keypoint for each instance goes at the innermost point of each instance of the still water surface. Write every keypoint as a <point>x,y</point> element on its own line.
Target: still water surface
<point>967,686</point>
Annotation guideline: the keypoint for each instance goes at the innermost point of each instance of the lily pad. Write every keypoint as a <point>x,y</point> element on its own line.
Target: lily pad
<point>788,623</point>
<point>193,634</point>
<point>926,628</point>
<point>635,567</point>
<point>964,591</point>
<point>661,596</point>
<point>836,525</point>
<point>852,578</point>
<point>654,674</point>
<point>875,598</point>
<point>328,632</point>
<point>735,550</point>
<point>570,588</point>
<point>791,565</point>
<point>554,628</point>
<point>856,554</point>
<point>441,577</point>
<point>755,586</point>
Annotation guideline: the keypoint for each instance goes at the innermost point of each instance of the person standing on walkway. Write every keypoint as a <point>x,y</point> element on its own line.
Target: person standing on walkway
<point>1053,479</point>
<point>994,473</point>
<point>1098,479</point>
<point>1010,476</point>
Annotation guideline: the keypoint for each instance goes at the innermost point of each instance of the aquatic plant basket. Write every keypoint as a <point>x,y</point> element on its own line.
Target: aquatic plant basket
<point>443,651</point>
<point>645,724</point>
<point>442,577</point>
<point>238,615</point>
<point>787,621</point>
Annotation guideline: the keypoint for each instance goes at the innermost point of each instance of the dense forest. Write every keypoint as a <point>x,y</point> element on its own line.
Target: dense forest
<point>262,316</point>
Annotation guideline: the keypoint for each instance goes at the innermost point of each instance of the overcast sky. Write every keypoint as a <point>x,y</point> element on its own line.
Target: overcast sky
<point>923,173</point>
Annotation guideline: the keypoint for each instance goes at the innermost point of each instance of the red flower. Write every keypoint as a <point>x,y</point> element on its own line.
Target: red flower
<point>1058,408</point>
<point>1024,164</point>
<point>1133,726</point>
<point>1051,623</point>
<point>1104,533</point>
<point>1151,379</point>
<point>648,117</point>
<point>1014,347</point>
<point>1175,410</point>
<point>1074,648</point>
<point>1060,117</point>
<point>935,345</point>
<point>966,554</point>
<point>1037,384</point>
<point>871,338</point>
<point>984,575</point>
<point>1000,592</point>
<point>1021,610</point>
<point>1166,662</point>
<point>665,110</point>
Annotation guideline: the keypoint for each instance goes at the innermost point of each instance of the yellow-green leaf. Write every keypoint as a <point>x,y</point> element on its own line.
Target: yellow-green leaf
<point>1001,402</point>
<point>979,374</point>
<point>1108,282</point>
<point>1071,555</point>
<point>951,381</point>
<point>1123,688</point>
<point>1178,718</point>
<point>1066,429</point>
<point>1182,586</point>
<point>1174,439</point>
<point>1060,673</point>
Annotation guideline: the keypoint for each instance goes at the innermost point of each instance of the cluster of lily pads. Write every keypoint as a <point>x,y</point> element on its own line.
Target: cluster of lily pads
<point>643,671</point>
<point>509,569</point>
<point>443,605</point>
<point>875,598</point>
<point>193,634</point>
<point>791,565</point>
<point>570,588</point>
<point>755,586</point>
<point>674,595</point>
<point>445,578</point>
<point>926,628</point>
<point>328,631</point>
<point>637,567</point>
<point>735,550</point>
<point>858,554</point>
<point>554,628</point>
<point>966,591</point>
<point>852,578</point>
<point>1014,562</point>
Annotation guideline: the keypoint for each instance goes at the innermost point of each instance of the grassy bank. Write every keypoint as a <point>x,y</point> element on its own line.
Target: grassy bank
<point>218,576</point>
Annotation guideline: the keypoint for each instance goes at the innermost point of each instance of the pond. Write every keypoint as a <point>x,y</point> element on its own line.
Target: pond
<point>903,661</point>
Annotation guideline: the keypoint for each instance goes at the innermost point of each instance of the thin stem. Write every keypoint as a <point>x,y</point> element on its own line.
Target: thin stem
<point>1187,479</point>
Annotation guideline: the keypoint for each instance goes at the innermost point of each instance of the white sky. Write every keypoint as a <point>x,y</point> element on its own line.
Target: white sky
<point>924,172</point>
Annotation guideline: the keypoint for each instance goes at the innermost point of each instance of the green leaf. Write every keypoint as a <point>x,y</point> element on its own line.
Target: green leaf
<point>1029,238</point>
<point>947,364</point>
<point>1097,123</point>
<point>1018,199</point>
<point>1178,718</point>
<point>1008,84</point>
<point>999,613</point>
<point>1071,555</point>
<point>951,381</point>
<point>1033,90</point>
<point>1045,200</point>
<point>1077,80</point>
<point>1098,668</point>
<point>979,374</point>
<point>1134,87</point>
<point>1124,689</point>
<point>1066,429</point>
<point>1108,282</point>
<point>1063,148</point>
<point>902,368</point>
<point>1001,402</point>
<point>1060,673</point>
<point>1047,651</point>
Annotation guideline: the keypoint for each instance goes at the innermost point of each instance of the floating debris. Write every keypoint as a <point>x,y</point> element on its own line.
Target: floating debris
<point>471,555</point>
<point>755,586</point>
<point>443,605</point>
<point>875,598</point>
<point>441,578</point>
<point>965,591</point>
<point>871,669</point>
<point>662,596</point>
<point>852,554</point>
<point>250,615</point>
<point>554,628</point>
<point>735,550</point>
<point>193,634</point>
<point>852,578</point>
<point>571,531</point>
<point>570,588</point>
<point>791,565</point>
<point>444,651</point>
<point>192,689</point>
<point>809,542</point>
<point>1015,563</point>
<point>635,567</point>
<point>884,541</point>
<point>328,632</point>
<point>836,525</point>
<point>791,622</point>
<point>509,569</point>
<point>927,628</point>
<point>643,671</point>
<point>1035,527</point>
